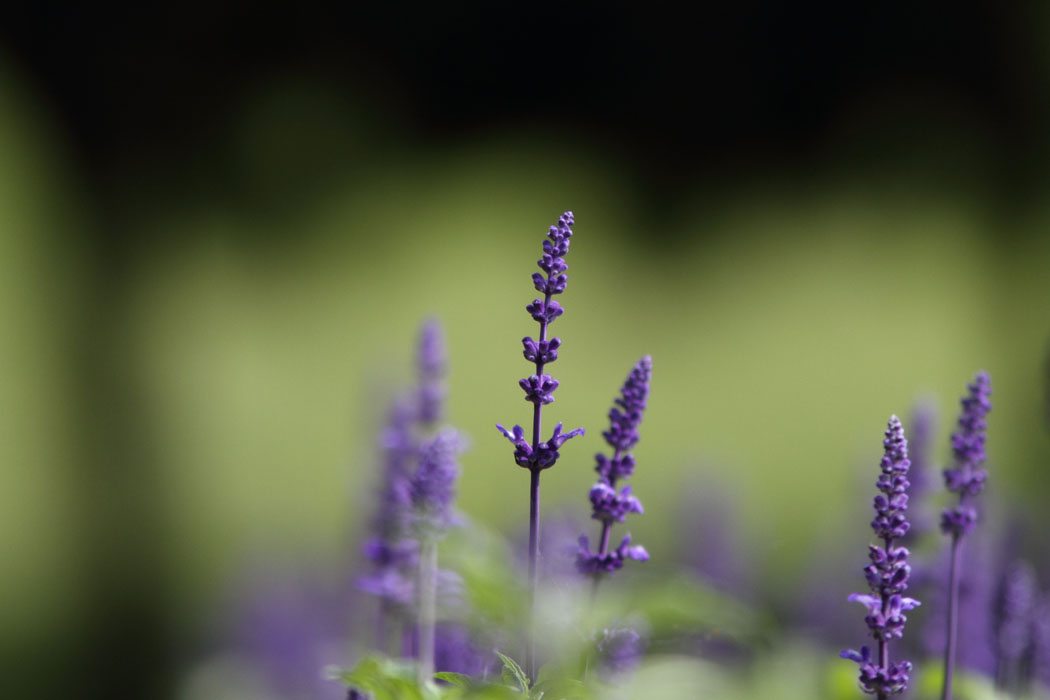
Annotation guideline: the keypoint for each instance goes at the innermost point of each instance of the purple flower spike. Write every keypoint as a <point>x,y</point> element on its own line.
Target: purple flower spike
<point>539,388</point>
<point>608,505</point>
<point>887,574</point>
<point>967,477</point>
<point>535,454</point>
<point>417,485</point>
<point>431,361</point>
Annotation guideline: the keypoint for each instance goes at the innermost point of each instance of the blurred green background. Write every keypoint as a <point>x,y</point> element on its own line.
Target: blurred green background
<point>221,228</point>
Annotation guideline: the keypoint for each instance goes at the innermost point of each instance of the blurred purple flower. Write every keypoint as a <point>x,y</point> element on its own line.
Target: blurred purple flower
<point>1014,606</point>
<point>433,486</point>
<point>416,481</point>
<point>290,631</point>
<point>714,552</point>
<point>457,650</point>
<point>431,363</point>
<point>966,477</point>
<point>620,650</point>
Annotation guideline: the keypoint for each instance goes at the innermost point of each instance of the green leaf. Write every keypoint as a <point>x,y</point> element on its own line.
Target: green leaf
<point>512,673</point>
<point>458,680</point>
<point>383,679</point>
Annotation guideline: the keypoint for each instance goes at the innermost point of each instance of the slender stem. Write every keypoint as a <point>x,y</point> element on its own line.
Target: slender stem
<point>603,539</point>
<point>428,558</point>
<point>534,517</point>
<point>534,573</point>
<point>603,548</point>
<point>953,619</point>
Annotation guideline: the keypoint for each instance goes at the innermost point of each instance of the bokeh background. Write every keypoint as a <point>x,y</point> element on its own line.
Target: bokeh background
<point>220,228</point>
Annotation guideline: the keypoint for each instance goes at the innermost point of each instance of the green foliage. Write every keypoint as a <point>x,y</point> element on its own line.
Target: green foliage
<point>382,678</point>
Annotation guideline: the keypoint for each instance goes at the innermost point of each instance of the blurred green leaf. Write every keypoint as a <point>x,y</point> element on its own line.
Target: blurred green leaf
<point>383,679</point>
<point>512,673</point>
<point>458,680</point>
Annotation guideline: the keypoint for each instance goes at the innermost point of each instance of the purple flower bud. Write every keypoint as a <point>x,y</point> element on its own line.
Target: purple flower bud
<point>545,311</point>
<point>611,506</point>
<point>543,351</point>
<point>539,389</point>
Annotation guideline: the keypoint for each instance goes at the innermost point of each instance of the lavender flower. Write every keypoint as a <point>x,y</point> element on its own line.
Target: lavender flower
<point>418,475</point>
<point>967,479</point>
<point>1015,604</point>
<point>609,505</point>
<point>288,628</point>
<point>536,454</point>
<point>392,553</point>
<point>620,650</point>
<point>887,574</point>
<point>432,487</point>
<point>431,360</point>
<point>456,650</point>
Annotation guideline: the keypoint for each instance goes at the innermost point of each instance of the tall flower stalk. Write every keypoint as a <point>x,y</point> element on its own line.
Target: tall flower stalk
<point>393,549</point>
<point>608,505</point>
<point>966,478</point>
<point>887,574</point>
<point>535,454</point>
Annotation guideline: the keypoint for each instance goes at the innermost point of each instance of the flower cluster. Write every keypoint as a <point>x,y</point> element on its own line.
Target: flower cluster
<point>433,484</point>
<point>392,553</point>
<point>887,574</point>
<point>609,505</point>
<point>967,477</point>
<point>620,650</point>
<point>539,387</point>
